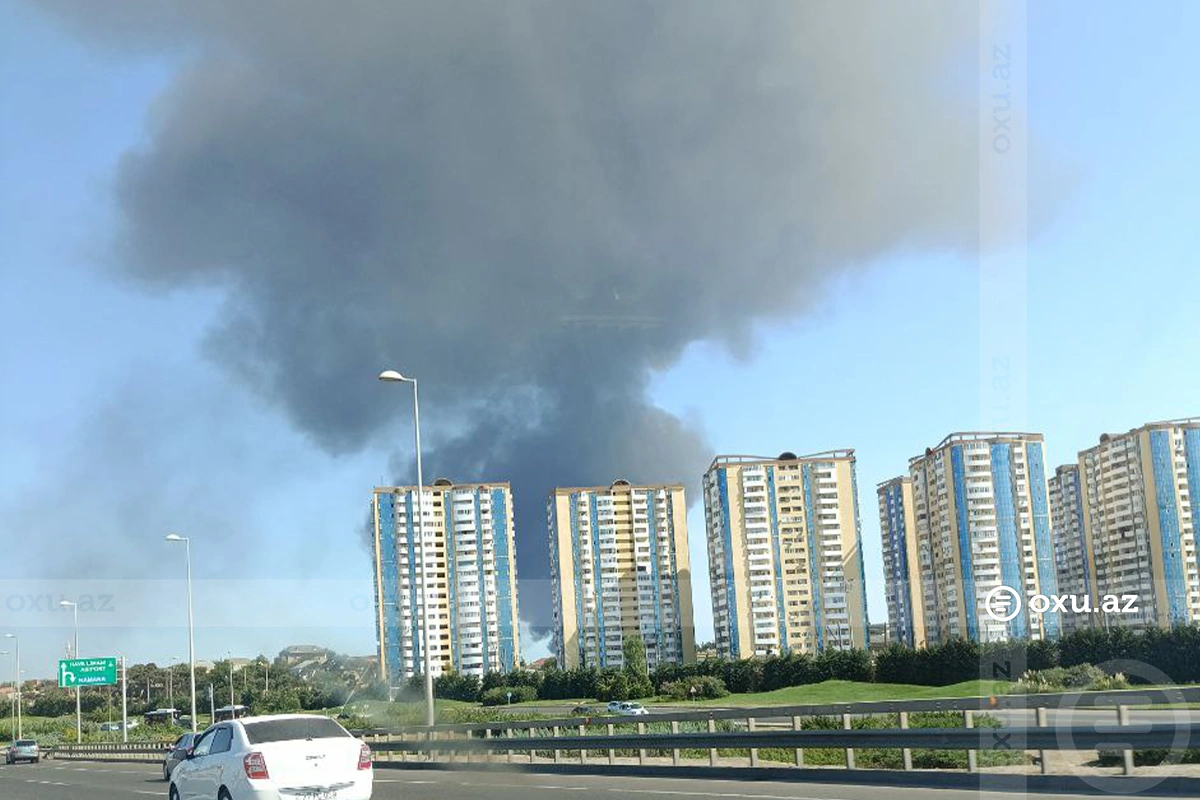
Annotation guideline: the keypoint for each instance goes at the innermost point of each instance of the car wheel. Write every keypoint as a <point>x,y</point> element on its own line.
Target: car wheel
<point>166,773</point>
<point>174,793</point>
<point>223,794</point>
<point>37,760</point>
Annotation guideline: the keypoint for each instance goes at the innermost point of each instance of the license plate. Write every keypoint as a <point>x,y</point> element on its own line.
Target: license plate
<point>319,796</point>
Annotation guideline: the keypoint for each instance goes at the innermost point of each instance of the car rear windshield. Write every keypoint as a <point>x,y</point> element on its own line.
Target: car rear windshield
<point>288,730</point>
<point>25,743</point>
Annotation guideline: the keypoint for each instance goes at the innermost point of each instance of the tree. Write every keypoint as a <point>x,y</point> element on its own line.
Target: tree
<point>637,675</point>
<point>455,686</point>
<point>635,657</point>
<point>613,685</point>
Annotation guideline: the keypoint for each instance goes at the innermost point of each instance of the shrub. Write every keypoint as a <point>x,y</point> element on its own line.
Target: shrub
<point>1110,683</point>
<point>1148,758</point>
<point>707,688</point>
<point>1081,677</point>
<point>499,695</point>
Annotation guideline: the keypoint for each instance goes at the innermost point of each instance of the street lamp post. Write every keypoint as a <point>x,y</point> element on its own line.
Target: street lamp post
<point>78,705</point>
<point>13,718</point>
<point>392,376</point>
<point>17,675</point>
<point>229,659</point>
<point>187,549</point>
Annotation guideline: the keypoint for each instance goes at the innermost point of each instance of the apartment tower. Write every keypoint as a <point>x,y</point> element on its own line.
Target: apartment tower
<point>1139,521</point>
<point>902,560</point>
<point>982,516</point>
<point>785,554</point>
<point>1070,548</point>
<point>619,568</point>
<point>470,600</point>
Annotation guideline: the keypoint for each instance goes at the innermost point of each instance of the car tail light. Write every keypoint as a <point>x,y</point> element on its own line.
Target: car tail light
<point>364,758</point>
<point>256,767</point>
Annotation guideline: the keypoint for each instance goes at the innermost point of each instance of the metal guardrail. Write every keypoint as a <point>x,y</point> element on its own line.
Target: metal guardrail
<point>110,751</point>
<point>784,730</point>
<point>1105,700</point>
<point>1114,737</point>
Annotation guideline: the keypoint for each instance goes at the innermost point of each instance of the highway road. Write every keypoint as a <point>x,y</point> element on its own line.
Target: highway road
<point>77,781</point>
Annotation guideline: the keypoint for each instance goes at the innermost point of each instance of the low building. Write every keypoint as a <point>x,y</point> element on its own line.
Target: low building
<point>299,653</point>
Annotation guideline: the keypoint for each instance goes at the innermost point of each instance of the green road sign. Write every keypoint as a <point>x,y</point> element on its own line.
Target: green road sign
<point>74,672</point>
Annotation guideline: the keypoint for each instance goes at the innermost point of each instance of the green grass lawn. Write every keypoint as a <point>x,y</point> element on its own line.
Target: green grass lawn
<point>852,692</point>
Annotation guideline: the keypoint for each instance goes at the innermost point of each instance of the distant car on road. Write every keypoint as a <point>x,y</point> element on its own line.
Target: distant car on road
<point>583,711</point>
<point>177,753</point>
<point>615,707</point>
<point>632,710</point>
<point>108,727</point>
<point>23,750</point>
<point>282,757</point>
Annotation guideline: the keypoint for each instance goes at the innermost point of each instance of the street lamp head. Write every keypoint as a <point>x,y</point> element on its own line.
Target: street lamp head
<point>175,537</point>
<point>65,603</point>
<point>10,636</point>
<point>392,376</point>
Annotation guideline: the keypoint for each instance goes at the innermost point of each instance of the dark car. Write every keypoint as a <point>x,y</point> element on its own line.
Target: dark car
<point>583,711</point>
<point>23,750</point>
<point>176,752</point>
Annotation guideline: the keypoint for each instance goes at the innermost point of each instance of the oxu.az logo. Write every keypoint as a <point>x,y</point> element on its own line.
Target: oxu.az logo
<point>1004,603</point>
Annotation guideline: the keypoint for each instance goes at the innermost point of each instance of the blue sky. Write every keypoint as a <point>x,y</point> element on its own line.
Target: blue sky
<point>885,361</point>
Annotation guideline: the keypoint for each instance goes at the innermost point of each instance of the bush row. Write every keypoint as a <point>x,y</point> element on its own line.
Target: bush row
<point>1047,665</point>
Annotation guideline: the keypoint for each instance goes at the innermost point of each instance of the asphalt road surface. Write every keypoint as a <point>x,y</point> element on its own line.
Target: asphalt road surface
<point>77,781</point>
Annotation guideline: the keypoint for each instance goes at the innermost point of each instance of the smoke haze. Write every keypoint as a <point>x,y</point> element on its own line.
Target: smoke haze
<point>530,206</point>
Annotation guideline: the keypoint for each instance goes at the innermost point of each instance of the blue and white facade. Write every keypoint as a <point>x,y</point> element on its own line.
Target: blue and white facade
<point>1070,547</point>
<point>981,508</point>
<point>471,568</point>
<point>620,568</point>
<point>1138,491</point>
<point>785,554</point>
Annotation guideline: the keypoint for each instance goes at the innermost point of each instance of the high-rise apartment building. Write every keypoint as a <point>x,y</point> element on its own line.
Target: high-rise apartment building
<point>785,554</point>
<point>470,600</point>
<point>982,515</point>
<point>1139,518</point>
<point>1070,547</point>
<point>620,568</point>
<point>902,559</point>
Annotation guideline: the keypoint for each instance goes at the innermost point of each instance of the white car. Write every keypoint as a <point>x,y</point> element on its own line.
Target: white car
<point>283,757</point>
<point>632,710</point>
<point>614,707</point>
